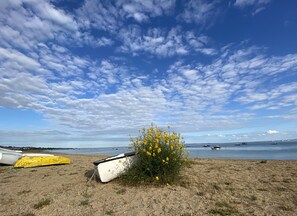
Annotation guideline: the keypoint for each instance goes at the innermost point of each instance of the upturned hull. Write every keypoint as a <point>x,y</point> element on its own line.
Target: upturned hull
<point>112,167</point>
<point>9,158</point>
<point>37,161</point>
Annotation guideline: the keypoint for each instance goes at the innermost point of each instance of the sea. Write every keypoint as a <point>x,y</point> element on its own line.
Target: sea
<point>268,150</point>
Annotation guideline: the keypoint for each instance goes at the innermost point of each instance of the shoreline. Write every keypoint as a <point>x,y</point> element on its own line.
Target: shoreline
<point>208,187</point>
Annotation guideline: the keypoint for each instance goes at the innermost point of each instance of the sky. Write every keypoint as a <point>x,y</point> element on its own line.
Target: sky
<point>92,73</point>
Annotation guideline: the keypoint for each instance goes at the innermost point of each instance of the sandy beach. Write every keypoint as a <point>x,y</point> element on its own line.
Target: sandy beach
<point>209,187</point>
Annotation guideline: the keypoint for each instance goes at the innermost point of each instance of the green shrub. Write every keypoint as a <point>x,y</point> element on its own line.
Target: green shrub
<point>160,157</point>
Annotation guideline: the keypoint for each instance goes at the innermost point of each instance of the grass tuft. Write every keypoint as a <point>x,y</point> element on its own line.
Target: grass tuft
<point>223,209</point>
<point>84,202</point>
<point>24,192</point>
<point>121,191</point>
<point>42,203</point>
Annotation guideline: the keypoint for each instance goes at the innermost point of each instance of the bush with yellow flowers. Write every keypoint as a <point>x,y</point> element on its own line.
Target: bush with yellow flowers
<point>160,157</point>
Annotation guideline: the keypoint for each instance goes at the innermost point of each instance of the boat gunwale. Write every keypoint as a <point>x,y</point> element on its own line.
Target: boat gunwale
<point>129,154</point>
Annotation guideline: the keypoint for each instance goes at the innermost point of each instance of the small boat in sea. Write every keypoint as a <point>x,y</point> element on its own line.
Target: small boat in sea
<point>37,161</point>
<point>112,167</point>
<point>9,157</point>
<point>216,148</point>
<point>206,146</point>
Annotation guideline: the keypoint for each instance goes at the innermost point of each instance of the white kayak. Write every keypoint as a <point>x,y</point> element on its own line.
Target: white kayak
<point>112,167</point>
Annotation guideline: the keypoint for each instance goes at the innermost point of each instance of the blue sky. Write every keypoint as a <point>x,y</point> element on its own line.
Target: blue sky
<point>89,73</point>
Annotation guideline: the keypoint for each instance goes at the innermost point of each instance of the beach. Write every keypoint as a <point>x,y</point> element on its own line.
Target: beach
<point>208,187</point>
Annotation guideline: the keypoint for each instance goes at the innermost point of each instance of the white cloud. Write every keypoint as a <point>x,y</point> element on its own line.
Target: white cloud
<point>110,17</point>
<point>201,12</point>
<point>272,132</point>
<point>163,43</point>
<point>31,22</point>
<point>17,60</point>
<point>256,5</point>
<point>245,3</point>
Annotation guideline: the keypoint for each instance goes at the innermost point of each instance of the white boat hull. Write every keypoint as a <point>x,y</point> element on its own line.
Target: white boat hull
<point>112,167</point>
<point>9,158</point>
<point>8,150</point>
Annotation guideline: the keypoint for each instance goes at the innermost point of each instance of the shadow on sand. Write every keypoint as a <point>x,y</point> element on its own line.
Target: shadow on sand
<point>91,176</point>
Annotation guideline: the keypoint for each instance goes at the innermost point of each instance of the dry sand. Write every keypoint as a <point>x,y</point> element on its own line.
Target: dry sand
<point>210,187</point>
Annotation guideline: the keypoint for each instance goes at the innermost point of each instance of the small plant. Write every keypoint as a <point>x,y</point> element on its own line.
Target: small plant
<point>200,193</point>
<point>84,202</point>
<point>121,191</point>
<point>160,157</point>
<point>109,212</point>
<point>216,187</point>
<point>73,173</point>
<point>253,198</point>
<point>223,209</point>
<point>42,203</point>
<point>24,192</point>
<point>87,194</point>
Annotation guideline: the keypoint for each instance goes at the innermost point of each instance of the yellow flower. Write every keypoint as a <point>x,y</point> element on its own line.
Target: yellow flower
<point>148,153</point>
<point>167,158</point>
<point>150,148</point>
<point>154,154</point>
<point>157,178</point>
<point>159,150</point>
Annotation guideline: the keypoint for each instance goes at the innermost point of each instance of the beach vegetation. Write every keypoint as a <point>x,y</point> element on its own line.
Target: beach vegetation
<point>253,198</point>
<point>84,202</point>
<point>216,187</point>
<point>160,157</point>
<point>223,208</point>
<point>24,192</point>
<point>285,207</point>
<point>121,191</point>
<point>42,203</point>
<point>109,212</point>
<point>200,193</point>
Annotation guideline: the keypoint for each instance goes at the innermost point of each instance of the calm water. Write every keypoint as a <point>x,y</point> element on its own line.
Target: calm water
<point>282,150</point>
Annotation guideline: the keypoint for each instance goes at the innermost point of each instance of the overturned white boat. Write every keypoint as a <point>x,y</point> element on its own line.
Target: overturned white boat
<point>112,167</point>
<point>9,157</point>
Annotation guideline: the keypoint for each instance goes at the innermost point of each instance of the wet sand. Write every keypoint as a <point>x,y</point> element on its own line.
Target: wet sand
<point>209,187</point>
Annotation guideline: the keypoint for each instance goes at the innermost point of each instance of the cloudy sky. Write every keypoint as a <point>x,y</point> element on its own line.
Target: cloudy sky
<point>89,73</point>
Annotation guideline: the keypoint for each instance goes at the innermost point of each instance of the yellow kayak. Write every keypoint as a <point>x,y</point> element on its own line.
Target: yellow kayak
<point>35,161</point>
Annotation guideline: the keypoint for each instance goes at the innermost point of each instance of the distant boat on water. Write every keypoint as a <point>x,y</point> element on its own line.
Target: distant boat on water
<point>206,146</point>
<point>216,148</point>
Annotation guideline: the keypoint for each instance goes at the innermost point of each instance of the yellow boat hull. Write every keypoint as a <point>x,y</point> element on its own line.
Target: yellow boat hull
<point>36,161</point>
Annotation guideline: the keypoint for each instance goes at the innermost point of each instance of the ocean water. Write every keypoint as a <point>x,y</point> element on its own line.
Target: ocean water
<point>276,150</point>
